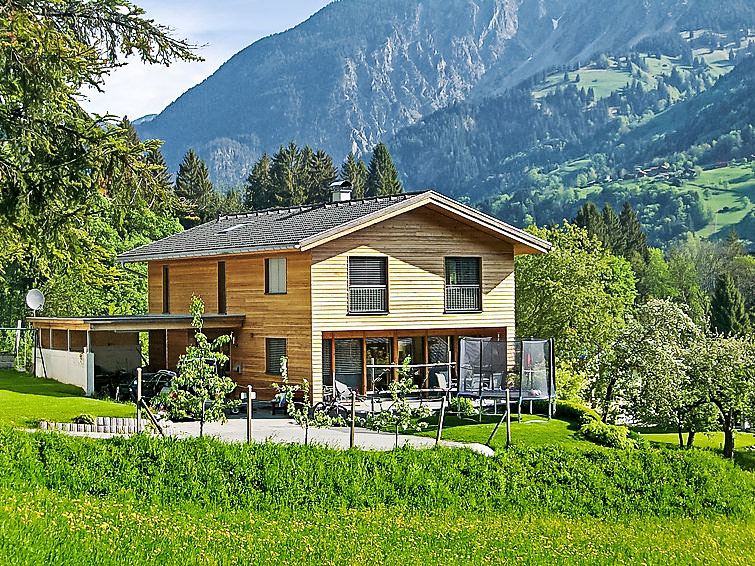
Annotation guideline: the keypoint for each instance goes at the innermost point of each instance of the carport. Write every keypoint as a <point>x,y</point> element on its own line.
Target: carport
<point>76,350</point>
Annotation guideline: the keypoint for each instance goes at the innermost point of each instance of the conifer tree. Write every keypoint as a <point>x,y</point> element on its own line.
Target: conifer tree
<point>320,174</point>
<point>589,218</point>
<point>727,309</point>
<point>231,203</point>
<point>635,240</point>
<point>382,176</point>
<point>355,172</point>
<point>287,175</point>
<point>258,191</point>
<point>160,172</point>
<point>614,240</point>
<point>197,196</point>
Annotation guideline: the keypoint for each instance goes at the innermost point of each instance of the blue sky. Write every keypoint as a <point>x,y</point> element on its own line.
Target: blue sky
<point>222,27</point>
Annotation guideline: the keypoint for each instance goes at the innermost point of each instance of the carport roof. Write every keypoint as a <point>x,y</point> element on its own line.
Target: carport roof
<point>136,323</point>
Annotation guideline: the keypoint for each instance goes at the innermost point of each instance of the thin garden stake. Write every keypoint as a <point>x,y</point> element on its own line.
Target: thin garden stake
<point>440,419</point>
<point>249,410</point>
<point>353,419</point>
<point>138,399</point>
<point>508,418</point>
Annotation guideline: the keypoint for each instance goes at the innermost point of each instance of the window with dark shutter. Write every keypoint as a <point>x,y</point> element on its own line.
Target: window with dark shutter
<point>368,285</point>
<point>275,349</point>
<point>463,289</point>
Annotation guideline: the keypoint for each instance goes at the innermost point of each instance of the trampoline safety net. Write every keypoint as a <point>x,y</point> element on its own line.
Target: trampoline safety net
<point>488,367</point>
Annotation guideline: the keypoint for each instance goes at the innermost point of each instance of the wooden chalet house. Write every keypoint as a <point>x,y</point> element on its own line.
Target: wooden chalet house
<point>334,287</point>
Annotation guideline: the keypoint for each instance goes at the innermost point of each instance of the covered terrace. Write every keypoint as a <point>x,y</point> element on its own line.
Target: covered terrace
<point>88,351</point>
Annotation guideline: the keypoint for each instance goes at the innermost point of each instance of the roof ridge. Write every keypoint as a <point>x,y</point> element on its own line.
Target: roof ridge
<point>302,207</point>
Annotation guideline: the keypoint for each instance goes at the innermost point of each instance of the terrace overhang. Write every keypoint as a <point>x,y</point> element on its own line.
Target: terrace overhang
<point>136,323</point>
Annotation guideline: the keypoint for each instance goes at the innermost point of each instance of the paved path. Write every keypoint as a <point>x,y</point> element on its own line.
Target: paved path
<point>283,429</point>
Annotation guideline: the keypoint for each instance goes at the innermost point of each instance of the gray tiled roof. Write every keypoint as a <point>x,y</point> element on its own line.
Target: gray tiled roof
<point>273,229</point>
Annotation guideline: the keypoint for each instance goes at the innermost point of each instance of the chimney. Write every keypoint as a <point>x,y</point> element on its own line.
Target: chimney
<point>341,191</point>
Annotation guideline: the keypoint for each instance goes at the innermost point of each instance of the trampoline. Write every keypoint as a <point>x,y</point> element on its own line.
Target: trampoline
<point>525,368</point>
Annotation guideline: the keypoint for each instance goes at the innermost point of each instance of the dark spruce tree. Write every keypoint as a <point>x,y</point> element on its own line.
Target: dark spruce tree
<point>287,175</point>
<point>197,197</point>
<point>382,176</point>
<point>231,203</point>
<point>614,234</point>
<point>354,171</point>
<point>727,309</point>
<point>160,172</point>
<point>320,173</point>
<point>635,240</point>
<point>590,218</point>
<point>258,191</point>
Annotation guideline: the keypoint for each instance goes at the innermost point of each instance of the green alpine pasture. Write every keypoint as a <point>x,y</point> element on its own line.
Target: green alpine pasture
<point>26,400</point>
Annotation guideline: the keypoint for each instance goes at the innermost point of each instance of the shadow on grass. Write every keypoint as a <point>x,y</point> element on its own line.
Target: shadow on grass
<point>745,459</point>
<point>16,382</point>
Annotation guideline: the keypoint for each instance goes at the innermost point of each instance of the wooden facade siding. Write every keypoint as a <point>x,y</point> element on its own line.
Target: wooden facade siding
<point>416,244</point>
<point>267,316</point>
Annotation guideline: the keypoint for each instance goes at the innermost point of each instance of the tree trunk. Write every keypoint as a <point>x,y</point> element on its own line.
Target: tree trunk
<point>609,398</point>
<point>306,436</point>
<point>201,428</point>
<point>729,434</point>
<point>691,438</point>
<point>396,436</point>
<point>681,436</point>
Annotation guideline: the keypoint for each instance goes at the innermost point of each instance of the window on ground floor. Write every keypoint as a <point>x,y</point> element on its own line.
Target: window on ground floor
<point>275,349</point>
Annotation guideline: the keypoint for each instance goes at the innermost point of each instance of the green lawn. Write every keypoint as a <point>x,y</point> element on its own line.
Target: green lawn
<point>714,440</point>
<point>534,430</point>
<point>41,527</point>
<point>25,400</point>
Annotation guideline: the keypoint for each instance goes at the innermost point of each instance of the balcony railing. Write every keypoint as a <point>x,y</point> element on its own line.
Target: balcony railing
<point>373,299</point>
<point>462,298</point>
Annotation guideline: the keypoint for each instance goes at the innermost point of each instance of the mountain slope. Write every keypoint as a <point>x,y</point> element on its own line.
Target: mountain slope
<point>358,71</point>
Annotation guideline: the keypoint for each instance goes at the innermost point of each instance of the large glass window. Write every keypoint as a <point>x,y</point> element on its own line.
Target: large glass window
<point>275,349</point>
<point>275,275</point>
<point>349,362</point>
<point>463,289</point>
<point>327,371</point>
<point>379,353</point>
<point>368,285</point>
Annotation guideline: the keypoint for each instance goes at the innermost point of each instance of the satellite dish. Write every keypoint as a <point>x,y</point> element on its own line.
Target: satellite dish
<point>35,300</point>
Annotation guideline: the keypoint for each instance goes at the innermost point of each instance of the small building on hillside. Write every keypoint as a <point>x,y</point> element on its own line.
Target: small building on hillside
<point>334,287</point>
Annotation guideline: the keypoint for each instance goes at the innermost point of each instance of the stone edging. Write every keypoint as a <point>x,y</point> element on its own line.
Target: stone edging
<point>113,425</point>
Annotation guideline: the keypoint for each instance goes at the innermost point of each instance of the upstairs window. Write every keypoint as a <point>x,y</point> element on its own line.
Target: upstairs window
<point>275,349</point>
<point>221,288</point>
<point>275,276</point>
<point>166,289</point>
<point>463,289</point>
<point>368,285</point>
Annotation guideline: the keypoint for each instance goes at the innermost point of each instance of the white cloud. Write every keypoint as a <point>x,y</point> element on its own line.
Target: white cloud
<point>221,28</point>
